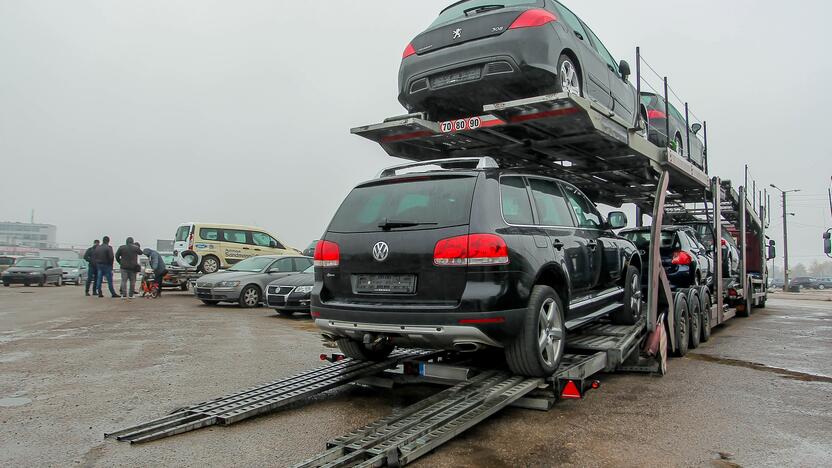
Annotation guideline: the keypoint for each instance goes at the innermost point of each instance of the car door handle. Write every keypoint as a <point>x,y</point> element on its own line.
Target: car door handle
<point>580,36</point>
<point>557,244</point>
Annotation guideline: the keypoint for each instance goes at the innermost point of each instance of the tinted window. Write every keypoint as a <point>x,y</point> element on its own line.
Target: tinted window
<point>70,264</point>
<point>603,52</point>
<point>6,261</point>
<point>517,209</point>
<point>182,233</point>
<point>237,237</point>
<point>458,11</point>
<point>209,234</point>
<point>426,202</point>
<point>677,115</point>
<point>588,216</point>
<point>31,263</point>
<point>641,239</point>
<point>551,207</point>
<point>262,240</point>
<point>284,265</point>
<point>572,20</point>
<point>302,264</point>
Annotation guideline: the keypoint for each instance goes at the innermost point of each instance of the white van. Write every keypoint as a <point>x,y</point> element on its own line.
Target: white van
<point>211,247</point>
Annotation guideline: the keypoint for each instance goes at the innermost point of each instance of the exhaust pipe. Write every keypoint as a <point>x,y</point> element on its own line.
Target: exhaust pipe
<point>467,347</point>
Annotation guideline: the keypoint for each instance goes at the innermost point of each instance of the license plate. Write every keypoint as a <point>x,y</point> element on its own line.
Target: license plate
<point>460,76</point>
<point>385,284</point>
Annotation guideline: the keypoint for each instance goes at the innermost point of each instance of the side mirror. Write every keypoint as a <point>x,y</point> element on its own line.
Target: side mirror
<point>772,250</point>
<point>624,69</point>
<point>695,128</point>
<point>827,243</point>
<point>617,220</point>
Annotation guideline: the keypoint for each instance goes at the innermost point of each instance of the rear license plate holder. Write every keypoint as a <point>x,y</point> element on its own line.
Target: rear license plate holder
<point>384,284</point>
<point>455,77</point>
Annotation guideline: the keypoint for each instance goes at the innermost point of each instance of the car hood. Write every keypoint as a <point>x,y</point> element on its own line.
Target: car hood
<point>301,279</point>
<point>24,270</point>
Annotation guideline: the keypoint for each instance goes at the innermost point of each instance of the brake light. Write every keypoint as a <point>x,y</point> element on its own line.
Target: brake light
<point>408,51</point>
<point>654,114</point>
<point>473,249</point>
<point>681,257</point>
<point>533,19</point>
<point>191,240</point>
<point>724,242</point>
<point>327,254</point>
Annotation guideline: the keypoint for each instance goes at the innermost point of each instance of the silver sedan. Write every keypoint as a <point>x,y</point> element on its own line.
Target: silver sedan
<point>245,282</point>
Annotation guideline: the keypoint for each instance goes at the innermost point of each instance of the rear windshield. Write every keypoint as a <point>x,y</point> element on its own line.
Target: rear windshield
<point>457,11</point>
<point>182,233</point>
<point>410,204</point>
<point>642,238</point>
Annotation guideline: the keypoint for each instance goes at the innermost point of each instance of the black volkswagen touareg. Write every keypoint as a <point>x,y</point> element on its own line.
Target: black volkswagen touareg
<point>461,255</point>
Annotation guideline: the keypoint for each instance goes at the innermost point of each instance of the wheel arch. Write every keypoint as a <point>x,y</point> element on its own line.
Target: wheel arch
<point>554,276</point>
<point>574,57</point>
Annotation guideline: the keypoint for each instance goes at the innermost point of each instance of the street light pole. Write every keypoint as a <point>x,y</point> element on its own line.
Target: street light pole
<point>785,237</point>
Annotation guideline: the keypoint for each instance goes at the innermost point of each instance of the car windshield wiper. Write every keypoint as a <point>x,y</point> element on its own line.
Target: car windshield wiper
<point>482,9</point>
<point>395,224</point>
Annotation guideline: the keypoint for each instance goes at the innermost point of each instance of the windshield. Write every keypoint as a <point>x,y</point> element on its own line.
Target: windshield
<point>253,264</point>
<point>417,203</point>
<point>31,263</point>
<point>70,263</point>
<point>168,259</point>
<point>458,10</point>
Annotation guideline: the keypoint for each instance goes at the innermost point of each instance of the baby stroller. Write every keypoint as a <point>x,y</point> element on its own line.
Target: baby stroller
<point>150,288</point>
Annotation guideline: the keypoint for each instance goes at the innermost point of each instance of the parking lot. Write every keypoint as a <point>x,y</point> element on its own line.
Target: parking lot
<point>73,368</point>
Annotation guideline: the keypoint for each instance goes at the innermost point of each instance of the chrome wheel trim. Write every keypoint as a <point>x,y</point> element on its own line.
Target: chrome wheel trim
<point>549,332</point>
<point>214,265</point>
<point>250,297</point>
<point>569,80</point>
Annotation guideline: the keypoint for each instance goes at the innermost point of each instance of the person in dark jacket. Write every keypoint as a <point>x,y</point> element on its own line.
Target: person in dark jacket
<point>157,263</point>
<point>92,271</point>
<point>103,258</point>
<point>127,257</point>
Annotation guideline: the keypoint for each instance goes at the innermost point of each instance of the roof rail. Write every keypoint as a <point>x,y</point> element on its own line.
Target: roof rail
<point>443,164</point>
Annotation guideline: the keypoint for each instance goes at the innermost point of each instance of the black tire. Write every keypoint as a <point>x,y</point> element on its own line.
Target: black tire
<point>821,287</point>
<point>60,281</point>
<point>630,314</point>
<point>695,314</point>
<point>42,282</point>
<point>78,281</point>
<point>285,313</point>
<point>184,286</point>
<point>560,82</point>
<point>210,264</point>
<point>210,303</point>
<point>355,350</point>
<point>524,354</point>
<point>7,284</point>
<point>706,304</point>
<point>680,325</point>
<point>250,297</point>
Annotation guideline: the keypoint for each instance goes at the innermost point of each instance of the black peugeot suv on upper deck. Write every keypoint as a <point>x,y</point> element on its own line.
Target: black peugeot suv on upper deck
<point>466,255</point>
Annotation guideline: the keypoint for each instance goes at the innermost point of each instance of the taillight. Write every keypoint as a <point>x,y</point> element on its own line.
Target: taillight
<point>191,240</point>
<point>327,254</point>
<point>724,242</point>
<point>533,18</point>
<point>681,257</point>
<point>408,51</point>
<point>654,114</point>
<point>474,249</point>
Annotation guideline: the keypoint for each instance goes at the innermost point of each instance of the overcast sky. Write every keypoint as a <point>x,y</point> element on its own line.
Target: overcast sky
<point>131,117</point>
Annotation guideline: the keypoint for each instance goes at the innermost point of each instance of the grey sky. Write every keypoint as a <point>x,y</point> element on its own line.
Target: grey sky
<point>128,118</point>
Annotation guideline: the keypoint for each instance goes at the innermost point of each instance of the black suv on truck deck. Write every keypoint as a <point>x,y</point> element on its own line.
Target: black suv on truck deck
<point>465,255</point>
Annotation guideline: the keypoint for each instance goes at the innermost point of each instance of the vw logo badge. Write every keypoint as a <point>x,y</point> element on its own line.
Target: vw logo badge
<point>380,251</point>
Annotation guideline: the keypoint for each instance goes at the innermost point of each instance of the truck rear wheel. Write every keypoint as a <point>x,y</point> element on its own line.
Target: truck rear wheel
<point>695,314</point>
<point>538,348</point>
<point>706,305</point>
<point>681,329</point>
<point>355,350</point>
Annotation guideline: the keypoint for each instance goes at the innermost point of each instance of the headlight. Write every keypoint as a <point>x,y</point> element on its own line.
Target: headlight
<point>304,289</point>
<point>34,273</point>
<point>74,272</point>
<point>228,284</point>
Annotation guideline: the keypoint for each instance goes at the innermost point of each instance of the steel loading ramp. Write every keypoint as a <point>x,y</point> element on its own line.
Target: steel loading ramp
<point>562,135</point>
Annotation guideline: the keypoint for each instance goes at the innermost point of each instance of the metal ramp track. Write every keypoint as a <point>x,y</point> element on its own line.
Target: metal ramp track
<point>416,430</point>
<point>264,398</point>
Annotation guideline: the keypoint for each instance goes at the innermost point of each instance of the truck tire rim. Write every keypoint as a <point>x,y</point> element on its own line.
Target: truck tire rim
<point>250,297</point>
<point>679,148</point>
<point>550,332</point>
<point>569,80</point>
<point>635,296</point>
<point>210,265</point>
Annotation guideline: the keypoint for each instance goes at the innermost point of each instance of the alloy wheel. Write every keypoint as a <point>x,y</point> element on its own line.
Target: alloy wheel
<point>635,296</point>
<point>250,297</point>
<point>550,332</point>
<point>569,80</point>
<point>210,265</point>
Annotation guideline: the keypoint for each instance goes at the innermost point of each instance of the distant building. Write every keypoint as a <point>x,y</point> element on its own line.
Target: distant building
<point>164,245</point>
<point>39,236</point>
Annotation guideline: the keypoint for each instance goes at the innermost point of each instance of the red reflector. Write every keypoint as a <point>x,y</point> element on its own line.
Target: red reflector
<point>473,249</point>
<point>408,51</point>
<point>724,242</point>
<point>533,18</point>
<point>323,357</point>
<point>570,391</point>
<point>315,314</point>
<point>482,321</point>
<point>681,257</point>
<point>596,385</point>
<point>327,254</point>
<point>654,114</point>
<point>340,357</point>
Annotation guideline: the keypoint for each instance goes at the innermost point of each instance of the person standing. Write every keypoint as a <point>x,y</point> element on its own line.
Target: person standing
<point>157,263</point>
<point>127,257</point>
<point>92,271</point>
<point>103,257</point>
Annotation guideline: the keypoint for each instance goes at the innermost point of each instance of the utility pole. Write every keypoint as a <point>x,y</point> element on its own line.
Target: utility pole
<point>785,237</point>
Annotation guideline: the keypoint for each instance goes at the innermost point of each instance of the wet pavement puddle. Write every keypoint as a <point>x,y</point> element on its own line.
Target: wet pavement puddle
<point>785,373</point>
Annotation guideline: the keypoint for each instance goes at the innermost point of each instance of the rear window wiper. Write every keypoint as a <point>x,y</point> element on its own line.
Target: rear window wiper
<point>394,224</point>
<point>482,9</point>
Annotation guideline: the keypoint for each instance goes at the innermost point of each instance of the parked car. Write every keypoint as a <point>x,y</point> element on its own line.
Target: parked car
<point>777,284</point>
<point>6,261</point>
<point>482,52</point>
<point>34,270</point>
<point>803,282</point>
<point>730,250</point>
<point>292,293</point>
<point>685,260</point>
<point>310,251</point>
<point>211,247</point>
<point>823,283</point>
<point>245,282</point>
<point>74,271</point>
<point>463,259</point>
<point>657,115</point>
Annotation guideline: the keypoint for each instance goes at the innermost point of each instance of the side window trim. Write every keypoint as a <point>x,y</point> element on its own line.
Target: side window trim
<point>579,194</point>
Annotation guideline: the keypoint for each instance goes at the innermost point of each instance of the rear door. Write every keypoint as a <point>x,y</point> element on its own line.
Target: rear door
<point>386,232</point>
<point>595,73</point>
<point>182,238</point>
<point>623,95</point>
<point>235,245</point>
